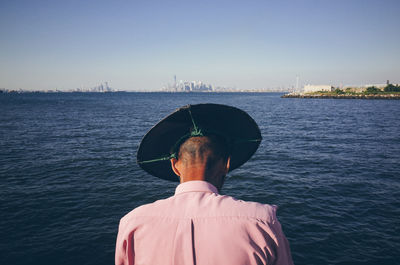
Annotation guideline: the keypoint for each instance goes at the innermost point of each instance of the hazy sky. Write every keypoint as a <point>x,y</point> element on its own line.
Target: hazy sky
<point>243,44</point>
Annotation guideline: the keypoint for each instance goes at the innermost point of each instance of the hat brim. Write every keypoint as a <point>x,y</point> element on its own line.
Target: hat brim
<point>232,123</point>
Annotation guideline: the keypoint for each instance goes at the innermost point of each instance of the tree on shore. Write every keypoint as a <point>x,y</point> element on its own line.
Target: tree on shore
<point>372,90</point>
<point>392,88</point>
<point>338,91</point>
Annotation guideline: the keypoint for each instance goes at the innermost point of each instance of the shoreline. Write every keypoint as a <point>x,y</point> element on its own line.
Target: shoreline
<point>344,96</point>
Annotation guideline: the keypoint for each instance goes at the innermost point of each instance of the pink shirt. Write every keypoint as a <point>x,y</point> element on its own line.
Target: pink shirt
<point>199,226</point>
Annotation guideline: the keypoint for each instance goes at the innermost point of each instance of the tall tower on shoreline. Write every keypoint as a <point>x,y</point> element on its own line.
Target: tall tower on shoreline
<point>175,82</point>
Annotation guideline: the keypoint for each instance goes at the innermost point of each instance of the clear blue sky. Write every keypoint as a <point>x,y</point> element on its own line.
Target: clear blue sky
<point>244,44</point>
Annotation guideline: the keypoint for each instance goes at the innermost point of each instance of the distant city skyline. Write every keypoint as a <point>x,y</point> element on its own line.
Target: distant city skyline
<point>141,45</point>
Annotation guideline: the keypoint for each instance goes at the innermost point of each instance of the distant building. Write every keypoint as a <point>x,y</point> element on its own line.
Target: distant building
<point>316,88</point>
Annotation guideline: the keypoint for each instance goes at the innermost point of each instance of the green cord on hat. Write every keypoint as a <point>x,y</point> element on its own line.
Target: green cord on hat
<point>196,130</point>
<point>164,158</point>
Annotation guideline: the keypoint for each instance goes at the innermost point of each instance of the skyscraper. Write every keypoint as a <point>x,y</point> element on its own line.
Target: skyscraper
<point>175,88</point>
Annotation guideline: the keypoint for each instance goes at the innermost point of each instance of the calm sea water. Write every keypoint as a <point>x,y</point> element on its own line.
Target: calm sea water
<point>68,173</point>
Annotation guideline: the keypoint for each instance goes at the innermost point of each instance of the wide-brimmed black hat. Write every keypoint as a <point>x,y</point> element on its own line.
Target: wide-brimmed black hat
<point>161,143</point>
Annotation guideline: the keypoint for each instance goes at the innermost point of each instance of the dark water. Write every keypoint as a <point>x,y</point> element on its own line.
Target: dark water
<point>68,173</point>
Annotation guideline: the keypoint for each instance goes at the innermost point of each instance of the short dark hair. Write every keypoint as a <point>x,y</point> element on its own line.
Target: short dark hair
<point>206,149</point>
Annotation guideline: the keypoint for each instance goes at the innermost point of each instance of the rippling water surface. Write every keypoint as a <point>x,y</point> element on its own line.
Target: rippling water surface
<point>68,173</point>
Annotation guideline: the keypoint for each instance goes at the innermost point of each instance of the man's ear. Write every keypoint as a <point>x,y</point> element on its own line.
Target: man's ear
<point>174,161</point>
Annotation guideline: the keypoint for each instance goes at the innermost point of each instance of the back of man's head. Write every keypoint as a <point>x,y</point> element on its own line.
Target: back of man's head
<point>204,151</point>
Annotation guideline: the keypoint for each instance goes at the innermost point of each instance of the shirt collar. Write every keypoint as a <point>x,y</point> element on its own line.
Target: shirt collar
<point>195,185</point>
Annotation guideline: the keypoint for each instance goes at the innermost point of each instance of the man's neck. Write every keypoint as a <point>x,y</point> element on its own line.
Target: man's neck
<point>193,173</point>
<point>214,181</point>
